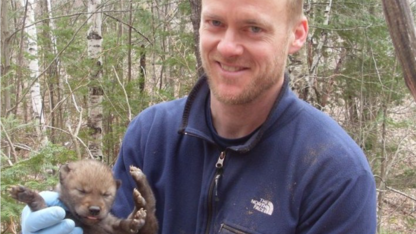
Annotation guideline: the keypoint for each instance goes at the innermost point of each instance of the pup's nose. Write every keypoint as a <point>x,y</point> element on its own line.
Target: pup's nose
<point>94,210</point>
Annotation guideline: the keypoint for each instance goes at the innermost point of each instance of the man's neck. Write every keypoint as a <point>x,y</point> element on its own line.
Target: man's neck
<point>236,121</point>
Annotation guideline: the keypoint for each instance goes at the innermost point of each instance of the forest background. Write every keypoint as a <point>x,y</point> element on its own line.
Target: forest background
<point>75,72</point>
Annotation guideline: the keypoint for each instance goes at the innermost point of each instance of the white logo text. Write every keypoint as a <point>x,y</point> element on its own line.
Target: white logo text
<point>264,206</point>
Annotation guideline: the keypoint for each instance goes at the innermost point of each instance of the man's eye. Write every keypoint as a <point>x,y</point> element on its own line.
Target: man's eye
<point>255,29</point>
<point>216,23</point>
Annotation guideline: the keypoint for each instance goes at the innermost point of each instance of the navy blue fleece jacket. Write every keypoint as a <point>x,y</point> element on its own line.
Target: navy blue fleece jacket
<point>299,172</point>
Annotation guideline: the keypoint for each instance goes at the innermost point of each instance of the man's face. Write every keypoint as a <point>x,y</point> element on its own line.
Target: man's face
<point>244,45</point>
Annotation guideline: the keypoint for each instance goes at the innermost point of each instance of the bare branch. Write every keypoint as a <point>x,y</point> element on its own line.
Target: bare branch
<point>125,93</point>
<point>11,145</point>
<point>401,193</point>
<point>130,26</point>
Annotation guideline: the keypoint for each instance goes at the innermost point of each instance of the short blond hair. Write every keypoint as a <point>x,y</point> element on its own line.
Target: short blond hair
<point>295,9</point>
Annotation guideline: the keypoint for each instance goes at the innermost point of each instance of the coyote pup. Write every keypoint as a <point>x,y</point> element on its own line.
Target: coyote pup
<point>88,189</point>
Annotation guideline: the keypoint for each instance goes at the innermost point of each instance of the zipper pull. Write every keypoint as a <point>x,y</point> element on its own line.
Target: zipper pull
<point>218,173</point>
<point>220,162</point>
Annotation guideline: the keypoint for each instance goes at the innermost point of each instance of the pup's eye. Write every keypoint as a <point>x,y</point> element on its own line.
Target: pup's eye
<point>106,194</point>
<point>81,191</point>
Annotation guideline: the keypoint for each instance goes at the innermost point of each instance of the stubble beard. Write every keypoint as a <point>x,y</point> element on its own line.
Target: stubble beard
<point>258,85</point>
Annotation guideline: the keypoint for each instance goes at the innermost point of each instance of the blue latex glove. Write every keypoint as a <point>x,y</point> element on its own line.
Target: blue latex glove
<point>50,220</point>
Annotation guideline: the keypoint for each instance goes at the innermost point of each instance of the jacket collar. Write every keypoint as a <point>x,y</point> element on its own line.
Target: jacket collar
<point>194,121</point>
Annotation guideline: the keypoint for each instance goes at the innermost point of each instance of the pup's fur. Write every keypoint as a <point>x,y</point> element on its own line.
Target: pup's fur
<point>88,190</point>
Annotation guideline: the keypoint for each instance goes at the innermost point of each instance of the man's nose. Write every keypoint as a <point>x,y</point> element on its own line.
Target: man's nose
<point>230,44</point>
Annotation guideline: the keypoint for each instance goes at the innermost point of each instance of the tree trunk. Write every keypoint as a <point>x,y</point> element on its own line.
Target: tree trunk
<point>129,52</point>
<point>142,79</point>
<point>383,168</point>
<point>313,69</point>
<point>95,110</point>
<point>402,31</point>
<point>36,98</point>
<point>5,59</point>
<point>52,74</point>
<point>196,20</point>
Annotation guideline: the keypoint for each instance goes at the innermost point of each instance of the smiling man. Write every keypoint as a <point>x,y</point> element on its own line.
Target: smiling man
<point>250,157</point>
<point>241,153</point>
<point>244,46</point>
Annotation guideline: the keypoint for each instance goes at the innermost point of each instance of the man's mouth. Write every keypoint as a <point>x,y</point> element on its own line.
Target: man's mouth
<point>231,68</point>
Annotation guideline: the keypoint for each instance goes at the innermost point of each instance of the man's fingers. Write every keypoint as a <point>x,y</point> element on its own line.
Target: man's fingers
<point>52,198</point>
<point>66,226</point>
<point>41,219</point>
<point>77,230</point>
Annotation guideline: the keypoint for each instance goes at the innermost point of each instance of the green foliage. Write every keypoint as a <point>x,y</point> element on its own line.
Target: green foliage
<point>411,221</point>
<point>38,172</point>
<point>369,77</point>
<point>407,179</point>
<point>389,232</point>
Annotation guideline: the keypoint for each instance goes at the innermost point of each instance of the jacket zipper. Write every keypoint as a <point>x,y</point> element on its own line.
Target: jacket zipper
<point>213,188</point>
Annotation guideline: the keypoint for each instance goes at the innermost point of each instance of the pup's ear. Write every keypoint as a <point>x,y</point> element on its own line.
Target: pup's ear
<point>63,172</point>
<point>118,183</point>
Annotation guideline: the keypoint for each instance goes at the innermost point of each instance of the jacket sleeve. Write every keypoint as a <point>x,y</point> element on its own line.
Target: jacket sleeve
<point>130,154</point>
<point>347,207</point>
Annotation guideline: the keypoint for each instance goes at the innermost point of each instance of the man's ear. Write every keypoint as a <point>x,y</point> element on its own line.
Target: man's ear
<point>300,33</point>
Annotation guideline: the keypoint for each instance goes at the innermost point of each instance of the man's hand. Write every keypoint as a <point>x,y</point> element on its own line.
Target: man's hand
<point>50,220</point>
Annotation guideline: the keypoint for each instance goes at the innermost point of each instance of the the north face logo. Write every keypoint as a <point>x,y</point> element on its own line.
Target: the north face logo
<point>263,206</point>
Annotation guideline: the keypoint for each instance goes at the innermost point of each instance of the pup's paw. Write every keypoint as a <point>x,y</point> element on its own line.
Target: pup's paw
<point>30,197</point>
<point>138,221</point>
<point>139,200</point>
<point>22,194</point>
<point>137,174</point>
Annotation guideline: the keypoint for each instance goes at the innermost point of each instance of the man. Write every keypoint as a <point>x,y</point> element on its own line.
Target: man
<point>242,154</point>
